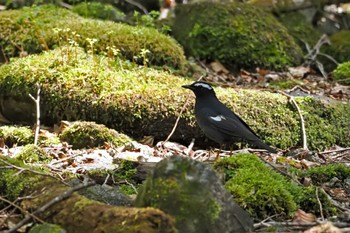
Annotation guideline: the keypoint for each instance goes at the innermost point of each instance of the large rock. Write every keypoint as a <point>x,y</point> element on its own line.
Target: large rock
<point>193,193</point>
<point>239,35</point>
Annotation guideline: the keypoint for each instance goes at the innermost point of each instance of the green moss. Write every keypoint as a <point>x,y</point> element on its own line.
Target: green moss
<point>98,10</point>
<point>33,154</point>
<point>144,101</point>
<point>46,227</point>
<point>309,201</point>
<point>12,183</point>
<point>90,134</point>
<point>44,27</point>
<point>126,170</point>
<point>263,192</point>
<point>342,73</point>
<point>16,135</point>
<point>285,84</point>
<point>323,174</point>
<point>326,123</point>
<point>239,35</point>
<point>256,188</point>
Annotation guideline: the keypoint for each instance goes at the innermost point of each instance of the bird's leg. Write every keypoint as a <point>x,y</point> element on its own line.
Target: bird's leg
<point>218,153</point>
<point>231,149</point>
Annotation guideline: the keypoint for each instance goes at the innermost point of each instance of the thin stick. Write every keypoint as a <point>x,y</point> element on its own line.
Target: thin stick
<point>37,103</point>
<point>291,99</point>
<point>178,118</point>
<point>21,209</point>
<point>53,201</point>
<point>337,150</point>
<point>177,121</point>
<point>319,204</point>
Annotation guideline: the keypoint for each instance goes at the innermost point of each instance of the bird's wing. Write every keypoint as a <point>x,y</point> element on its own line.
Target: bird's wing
<point>232,125</point>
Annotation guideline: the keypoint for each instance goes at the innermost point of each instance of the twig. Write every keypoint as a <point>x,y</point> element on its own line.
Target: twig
<point>319,204</point>
<point>21,169</point>
<point>53,201</point>
<point>21,209</point>
<point>132,186</point>
<point>189,148</point>
<point>291,99</point>
<point>332,151</point>
<point>178,118</point>
<point>37,103</point>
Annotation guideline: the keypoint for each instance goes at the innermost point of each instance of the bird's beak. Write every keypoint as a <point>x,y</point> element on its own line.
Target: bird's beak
<point>187,86</point>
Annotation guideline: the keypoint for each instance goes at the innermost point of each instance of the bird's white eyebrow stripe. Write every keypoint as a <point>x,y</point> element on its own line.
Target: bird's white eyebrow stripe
<point>203,85</point>
<point>218,118</point>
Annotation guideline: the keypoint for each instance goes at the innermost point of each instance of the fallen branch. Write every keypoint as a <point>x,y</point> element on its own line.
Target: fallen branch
<point>37,104</point>
<point>53,201</point>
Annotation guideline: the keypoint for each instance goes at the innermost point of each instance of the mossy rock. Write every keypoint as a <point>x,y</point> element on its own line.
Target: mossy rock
<point>193,193</point>
<point>143,101</point>
<point>342,73</point>
<point>98,10</point>
<point>339,49</point>
<point>16,135</point>
<point>259,190</point>
<point>301,30</point>
<point>239,35</point>
<point>44,27</point>
<point>263,192</point>
<point>33,154</point>
<point>90,135</point>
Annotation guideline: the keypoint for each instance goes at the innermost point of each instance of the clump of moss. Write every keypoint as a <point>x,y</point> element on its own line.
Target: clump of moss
<point>16,135</point>
<point>301,30</point>
<point>44,27</point>
<point>325,123</point>
<point>239,35</point>
<point>255,187</point>
<point>342,73</point>
<point>99,11</point>
<point>47,227</point>
<point>322,174</point>
<point>89,134</point>
<point>33,154</point>
<point>11,182</point>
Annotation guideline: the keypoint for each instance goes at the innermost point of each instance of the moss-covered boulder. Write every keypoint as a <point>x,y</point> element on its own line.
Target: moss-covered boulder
<point>263,192</point>
<point>89,134</point>
<point>239,35</point>
<point>193,193</point>
<point>342,73</point>
<point>301,30</point>
<point>143,101</point>
<point>98,10</point>
<point>35,29</point>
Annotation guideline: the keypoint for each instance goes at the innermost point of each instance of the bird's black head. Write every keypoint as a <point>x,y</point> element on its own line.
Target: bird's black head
<point>200,88</point>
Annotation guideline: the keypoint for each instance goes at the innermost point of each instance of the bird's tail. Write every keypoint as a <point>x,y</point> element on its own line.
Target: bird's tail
<point>259,144</point>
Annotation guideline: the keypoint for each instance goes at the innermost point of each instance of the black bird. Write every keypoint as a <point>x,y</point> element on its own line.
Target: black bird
<point>218,122</point>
